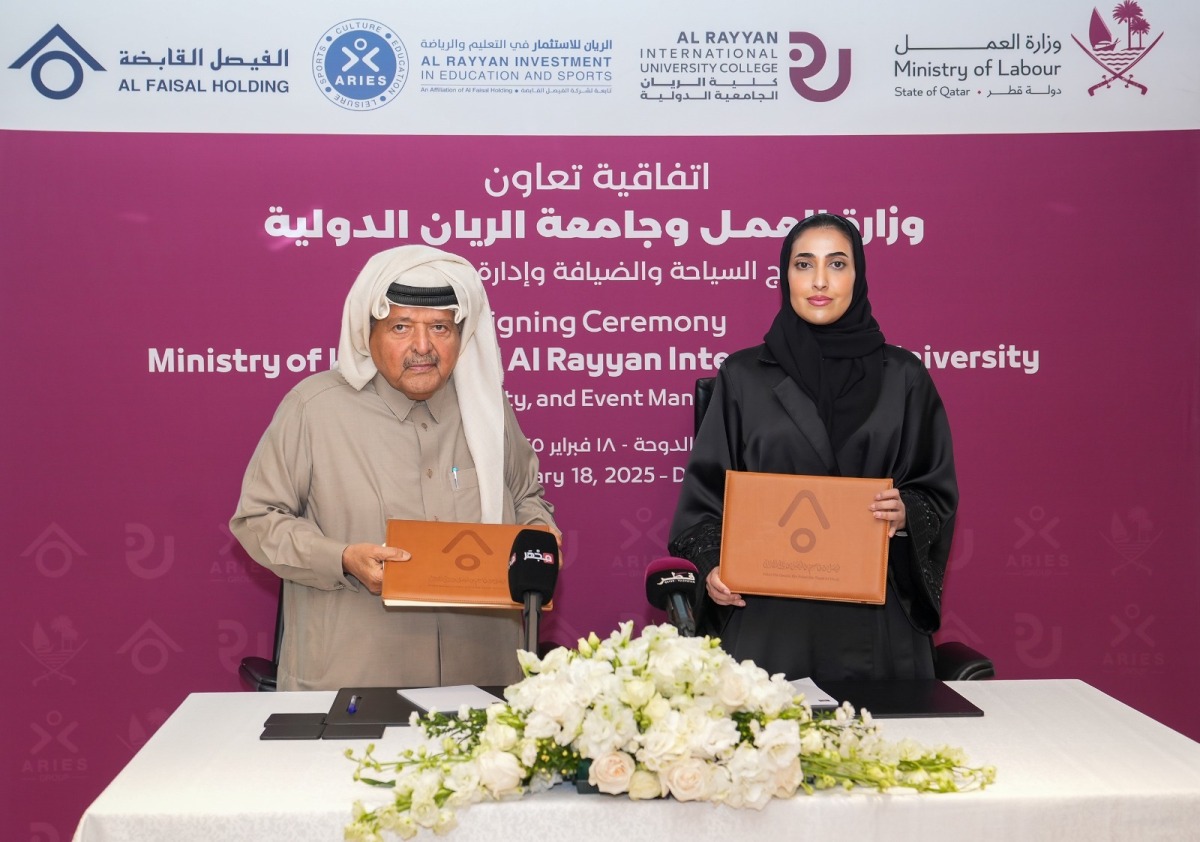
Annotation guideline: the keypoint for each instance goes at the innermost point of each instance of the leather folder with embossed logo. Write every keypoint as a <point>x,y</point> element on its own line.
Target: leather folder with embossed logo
<point>804,536</point>
<point>452,564</point>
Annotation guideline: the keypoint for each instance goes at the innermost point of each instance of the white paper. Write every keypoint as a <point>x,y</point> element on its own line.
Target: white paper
<point>449,699</point>
<point>814,695</point>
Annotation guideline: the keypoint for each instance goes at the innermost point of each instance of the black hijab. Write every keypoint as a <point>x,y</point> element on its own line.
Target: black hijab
<point>839,365</point>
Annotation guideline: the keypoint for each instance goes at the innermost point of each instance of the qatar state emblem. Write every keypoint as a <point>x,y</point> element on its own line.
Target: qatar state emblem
<point>1106,50</point>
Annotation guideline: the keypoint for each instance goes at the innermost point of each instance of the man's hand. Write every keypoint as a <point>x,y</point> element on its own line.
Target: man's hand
<point>365,563</point>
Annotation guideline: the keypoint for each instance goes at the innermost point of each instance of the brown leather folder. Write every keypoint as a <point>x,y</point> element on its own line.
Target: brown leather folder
<point>804,536</point>
<point>452,564</point>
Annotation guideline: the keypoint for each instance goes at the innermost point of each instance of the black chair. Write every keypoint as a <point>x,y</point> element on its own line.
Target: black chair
<point>952,661</point>
<point>260,673</point>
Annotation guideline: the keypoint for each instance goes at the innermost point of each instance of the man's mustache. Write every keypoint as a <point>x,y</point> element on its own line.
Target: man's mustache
<point>427,359</point>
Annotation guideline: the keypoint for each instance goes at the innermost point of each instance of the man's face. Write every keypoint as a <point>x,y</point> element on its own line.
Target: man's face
<point>415,349</point>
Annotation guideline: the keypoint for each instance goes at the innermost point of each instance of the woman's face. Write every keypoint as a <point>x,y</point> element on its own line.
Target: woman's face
<point>821,275</point>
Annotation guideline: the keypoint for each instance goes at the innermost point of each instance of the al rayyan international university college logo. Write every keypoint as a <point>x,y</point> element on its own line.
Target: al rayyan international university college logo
<point>1106,50</point>
<point>360,64</point>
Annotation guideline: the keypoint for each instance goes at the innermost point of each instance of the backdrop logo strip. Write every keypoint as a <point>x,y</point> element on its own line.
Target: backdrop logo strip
<point>38,70</point>
<point>360,64</point>
<point>1116,62</point>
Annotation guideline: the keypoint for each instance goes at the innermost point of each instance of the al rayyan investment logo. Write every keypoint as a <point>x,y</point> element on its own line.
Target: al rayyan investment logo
<point>1106,50</point>
<point>360,64</point>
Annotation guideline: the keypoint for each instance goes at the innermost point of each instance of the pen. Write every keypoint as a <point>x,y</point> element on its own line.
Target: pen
<point>353,706</point>
<point>454,477</point>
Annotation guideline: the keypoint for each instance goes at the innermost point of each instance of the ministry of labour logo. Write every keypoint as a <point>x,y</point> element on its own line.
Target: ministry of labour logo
<point>56,73</point>
<point>1107,51</point>
<point>360,64</point>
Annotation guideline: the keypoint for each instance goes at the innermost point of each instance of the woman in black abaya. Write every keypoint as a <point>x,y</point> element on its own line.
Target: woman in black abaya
<point>825,395</point>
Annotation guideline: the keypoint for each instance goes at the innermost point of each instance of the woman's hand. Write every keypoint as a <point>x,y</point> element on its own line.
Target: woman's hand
<point>719,593</point>
<point>888,506</point>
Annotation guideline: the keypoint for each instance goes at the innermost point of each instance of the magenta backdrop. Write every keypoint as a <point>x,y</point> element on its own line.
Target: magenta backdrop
<point>1076,553</point>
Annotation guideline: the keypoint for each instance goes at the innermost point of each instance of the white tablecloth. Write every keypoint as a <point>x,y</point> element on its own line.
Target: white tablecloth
<point>1072,764</point>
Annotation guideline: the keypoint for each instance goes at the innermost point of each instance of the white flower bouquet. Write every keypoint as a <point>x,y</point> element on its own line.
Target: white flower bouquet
<point>648,717</point>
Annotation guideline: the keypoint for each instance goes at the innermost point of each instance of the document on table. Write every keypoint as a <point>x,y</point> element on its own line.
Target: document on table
<point>449,699</point>
<point>814,695</point>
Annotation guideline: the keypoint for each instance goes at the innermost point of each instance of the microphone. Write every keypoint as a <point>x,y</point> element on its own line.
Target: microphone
<point>670,584</point>
<point>532,575</point>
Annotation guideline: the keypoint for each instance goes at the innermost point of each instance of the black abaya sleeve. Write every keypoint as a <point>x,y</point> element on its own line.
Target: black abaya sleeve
<point>696,529</point>
<point>929,488</point>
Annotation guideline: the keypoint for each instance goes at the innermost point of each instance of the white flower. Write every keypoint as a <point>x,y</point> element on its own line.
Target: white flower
<point>787,779</point>
<point>656,715</point>
<point>778,743</point>
<point>425,786</point>
<point>500,773</point>
<point>424,813</point>
<point>812,741</point>
<point>672,667</point>
<point>607,727</point>
<point>637,691</point>
<point>688,779</point>
<point>611,772</point>
<point>664,742</point>
<point>711,736</point>
<point>734,685</point>
<point>499,735</point>
<point>463,781</point>
<point>540,726</point>
<point>645,785</point>
<point>446,822</point>
<point>657,709</point>
<point>527,753</point>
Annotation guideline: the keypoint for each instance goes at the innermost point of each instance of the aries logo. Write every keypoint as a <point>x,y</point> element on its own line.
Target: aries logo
<point>468,558</point>
<point>360,64</point>
<point>802,539</point>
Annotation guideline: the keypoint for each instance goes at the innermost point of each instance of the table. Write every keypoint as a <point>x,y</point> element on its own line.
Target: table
<point>1072,763</point>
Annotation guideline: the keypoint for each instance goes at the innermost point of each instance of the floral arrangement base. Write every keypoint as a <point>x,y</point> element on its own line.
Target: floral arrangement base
<point>652,716</point>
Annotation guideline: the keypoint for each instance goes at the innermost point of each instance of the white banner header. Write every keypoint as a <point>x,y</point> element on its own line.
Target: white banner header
<point>616,68</point>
